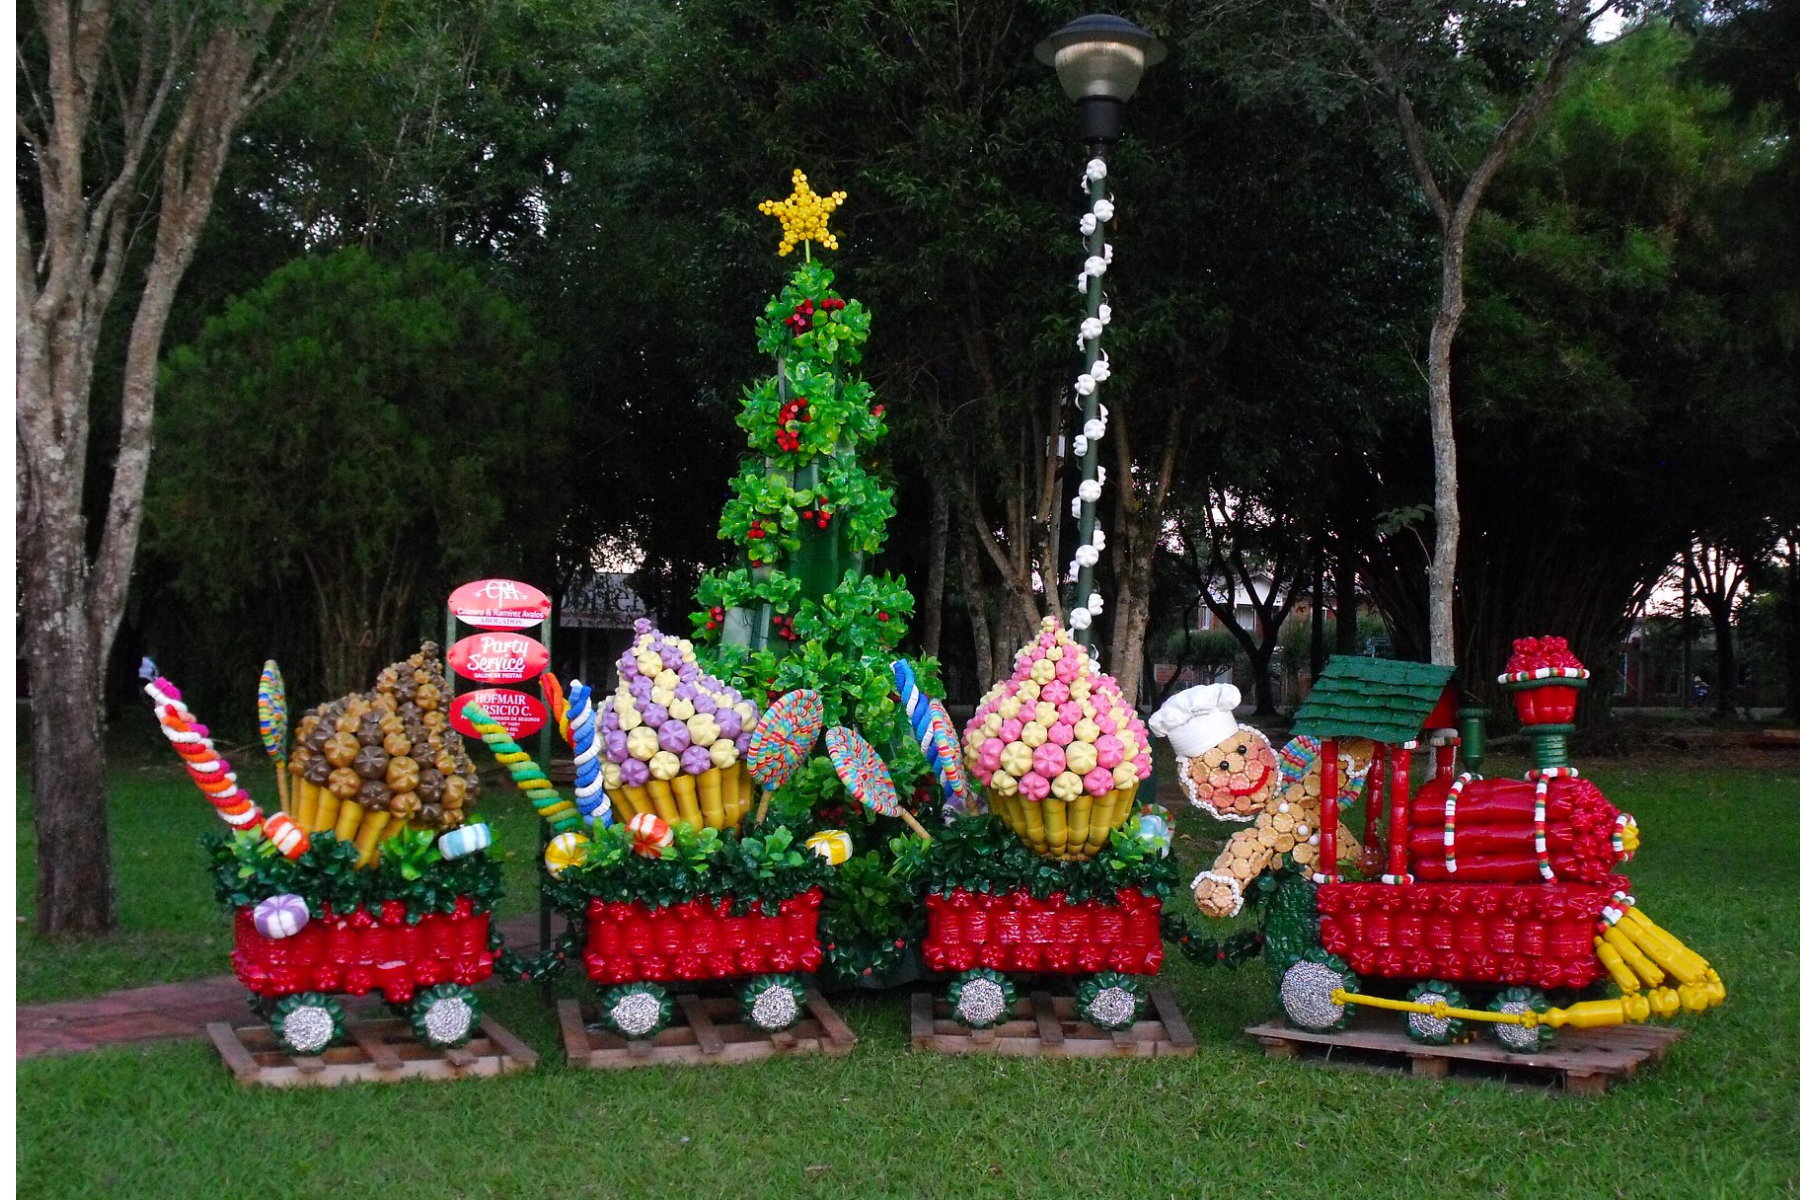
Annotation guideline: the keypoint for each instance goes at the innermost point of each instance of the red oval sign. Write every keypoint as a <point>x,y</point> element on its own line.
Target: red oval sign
<point>499,604</point>
<point>499,657</point>
<point>520,715</point>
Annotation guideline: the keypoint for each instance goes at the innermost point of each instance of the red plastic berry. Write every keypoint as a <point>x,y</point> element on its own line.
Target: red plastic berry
<point>881,617</point>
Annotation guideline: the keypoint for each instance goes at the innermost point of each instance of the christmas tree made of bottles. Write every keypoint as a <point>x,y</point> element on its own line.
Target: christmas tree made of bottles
<point>806,514</point>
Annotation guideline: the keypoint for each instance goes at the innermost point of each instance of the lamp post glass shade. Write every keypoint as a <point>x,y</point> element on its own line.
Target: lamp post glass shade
<point>1100,57</point>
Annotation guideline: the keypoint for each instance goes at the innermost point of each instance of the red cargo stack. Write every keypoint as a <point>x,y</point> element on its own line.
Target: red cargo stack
<point>1015,931</point>
<point>363,951</point>
<point>633,942</point>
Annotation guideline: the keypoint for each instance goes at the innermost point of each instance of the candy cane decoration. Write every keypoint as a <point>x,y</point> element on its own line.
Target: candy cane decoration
<point>526,774</point>
<point>1456,789</point>
<point>590,797</point>
<point>210,773</point>
<point>272,723</point>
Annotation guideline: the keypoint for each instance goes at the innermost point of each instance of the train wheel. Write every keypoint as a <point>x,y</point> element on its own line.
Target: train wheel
<point>306,1023</point>
<point>1306,989</point>
<point>1518,1038</point>
<point>773,1002</point>
<point>445,1016</point>
<point>981,998</point>
<point>1110,1000</point>
<point>636,1010</point>
<point>1434,1031</point>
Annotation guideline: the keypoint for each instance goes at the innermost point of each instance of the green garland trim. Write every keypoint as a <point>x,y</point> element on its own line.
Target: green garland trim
<point>980,854</point>
<point>752,869</point>
<point>1233,950</point>
<point>246,869</point>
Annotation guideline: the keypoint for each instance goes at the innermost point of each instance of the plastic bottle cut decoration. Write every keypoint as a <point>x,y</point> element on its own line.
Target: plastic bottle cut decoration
<point>371,764</point>
<point>1058,749</point>
<point>674,738</point>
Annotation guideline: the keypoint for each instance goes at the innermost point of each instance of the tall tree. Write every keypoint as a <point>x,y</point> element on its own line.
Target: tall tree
<point>1515,56</point>
<point>127,111</point>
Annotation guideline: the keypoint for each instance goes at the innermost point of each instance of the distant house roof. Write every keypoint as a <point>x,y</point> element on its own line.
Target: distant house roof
<point>1376,698</point>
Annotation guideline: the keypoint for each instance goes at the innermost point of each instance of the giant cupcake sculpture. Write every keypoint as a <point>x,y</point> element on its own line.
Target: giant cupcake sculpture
<point>1059,750</point>
<point>675,737</point>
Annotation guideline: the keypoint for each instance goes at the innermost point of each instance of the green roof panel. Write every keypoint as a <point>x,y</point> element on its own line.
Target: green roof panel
<point>1376,698</point>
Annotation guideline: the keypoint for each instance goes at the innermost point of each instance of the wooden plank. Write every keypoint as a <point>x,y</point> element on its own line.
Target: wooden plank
<point>383,1058</point>
<point>576,1047</point>
<point>239,1059</point>
<point>309,1064</point>
<point>697,1018</point>
<point>1175,1026</point>
<point>1050,1030</point>
<point>509,1042</point>
<point>459,1057</point>
<point>924,1022</point>
<point>833,1025</point>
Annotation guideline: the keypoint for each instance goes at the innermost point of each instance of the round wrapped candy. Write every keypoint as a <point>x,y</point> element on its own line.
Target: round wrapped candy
<point>281,916</point>
<point>287,836</point>
<point>832,845</point>
<point>466,840</point>
<point>650,834</point>
<point>784,737</point>
<point>564,851</point>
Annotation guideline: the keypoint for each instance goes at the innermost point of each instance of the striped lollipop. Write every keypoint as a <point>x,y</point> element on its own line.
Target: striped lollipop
<point>272,723</point>
<point>211,773</point>
<point>590,795</point>
<point>526,774</point>
<point>865,776</point>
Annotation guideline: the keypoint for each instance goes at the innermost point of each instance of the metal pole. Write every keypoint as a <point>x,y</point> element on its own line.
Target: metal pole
<point>1090,404</point>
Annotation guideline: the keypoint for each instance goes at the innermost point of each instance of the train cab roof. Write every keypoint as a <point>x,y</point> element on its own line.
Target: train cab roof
<point>1378,698</point>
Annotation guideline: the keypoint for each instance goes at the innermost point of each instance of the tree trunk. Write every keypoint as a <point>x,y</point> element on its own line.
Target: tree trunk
<point>1261,677</point>
<point>969,566</point>
<point>931,615</point>
<point>1790,638</point>
<point>1725,657</point>
<point>1346,599</point>
<point>1316,652</point>
<point>1447,516</point>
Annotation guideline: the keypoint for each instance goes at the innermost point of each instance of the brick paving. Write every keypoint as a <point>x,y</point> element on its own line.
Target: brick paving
<point>165,1011</point>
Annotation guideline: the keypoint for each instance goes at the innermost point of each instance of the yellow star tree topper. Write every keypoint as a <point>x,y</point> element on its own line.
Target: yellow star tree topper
<point>803,216</point>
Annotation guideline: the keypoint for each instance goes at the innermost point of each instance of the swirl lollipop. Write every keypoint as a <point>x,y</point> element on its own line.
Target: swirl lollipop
<point>865,776</point>
<point>272,723</point>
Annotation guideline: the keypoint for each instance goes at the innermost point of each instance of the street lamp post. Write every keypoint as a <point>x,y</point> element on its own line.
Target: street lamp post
<point>1099,60</point>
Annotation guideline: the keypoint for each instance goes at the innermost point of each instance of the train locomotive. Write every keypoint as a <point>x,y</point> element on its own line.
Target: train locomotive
<point>1487,896</point>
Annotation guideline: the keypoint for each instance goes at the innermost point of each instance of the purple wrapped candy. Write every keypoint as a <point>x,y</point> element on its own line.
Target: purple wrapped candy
<point>685,691</point>
<point>615,745</point>
<point>703,703</point>
<point>281,916</point>
<point>673,737</point>
<point>671,656</point>
<point>642,625</point>
<point>609,716</point>
<point>696,760</point>
<point>689,671</point>
<point>640,690</point>
<point>730,724</point>
<point>743,742</point>
<point>655,715</point>
<point>634,772</point>
<point>628,667</point>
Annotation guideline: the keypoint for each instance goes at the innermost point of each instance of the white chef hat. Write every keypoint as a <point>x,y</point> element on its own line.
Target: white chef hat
<point>1198,719</point>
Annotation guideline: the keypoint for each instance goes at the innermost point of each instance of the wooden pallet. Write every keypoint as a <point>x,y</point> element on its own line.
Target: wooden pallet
<point>1047,1025</point>
<point>708,1031</point>
<point>383,1050</point>
<point>1581,1060</point>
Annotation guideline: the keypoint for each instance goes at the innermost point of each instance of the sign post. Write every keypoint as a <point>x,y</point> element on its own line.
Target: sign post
<point>498,653</point>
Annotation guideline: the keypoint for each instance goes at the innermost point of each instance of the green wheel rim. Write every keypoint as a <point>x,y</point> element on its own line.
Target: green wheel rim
<point>981,999</point>
<point>445,1016</point>
<point>1111,1000</point>
<point>1306,989</point>
<point>306,1023</point>
<point>636,1010</point>
<point>772,1002</point>
<point>1427,1029</point>
<point>1517,1038</point>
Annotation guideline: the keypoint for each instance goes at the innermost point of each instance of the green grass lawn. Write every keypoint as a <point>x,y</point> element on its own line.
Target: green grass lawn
<point>1718,1118</point>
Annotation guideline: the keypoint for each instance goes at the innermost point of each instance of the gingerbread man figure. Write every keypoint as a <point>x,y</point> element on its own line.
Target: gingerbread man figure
<point>1232,772</point>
